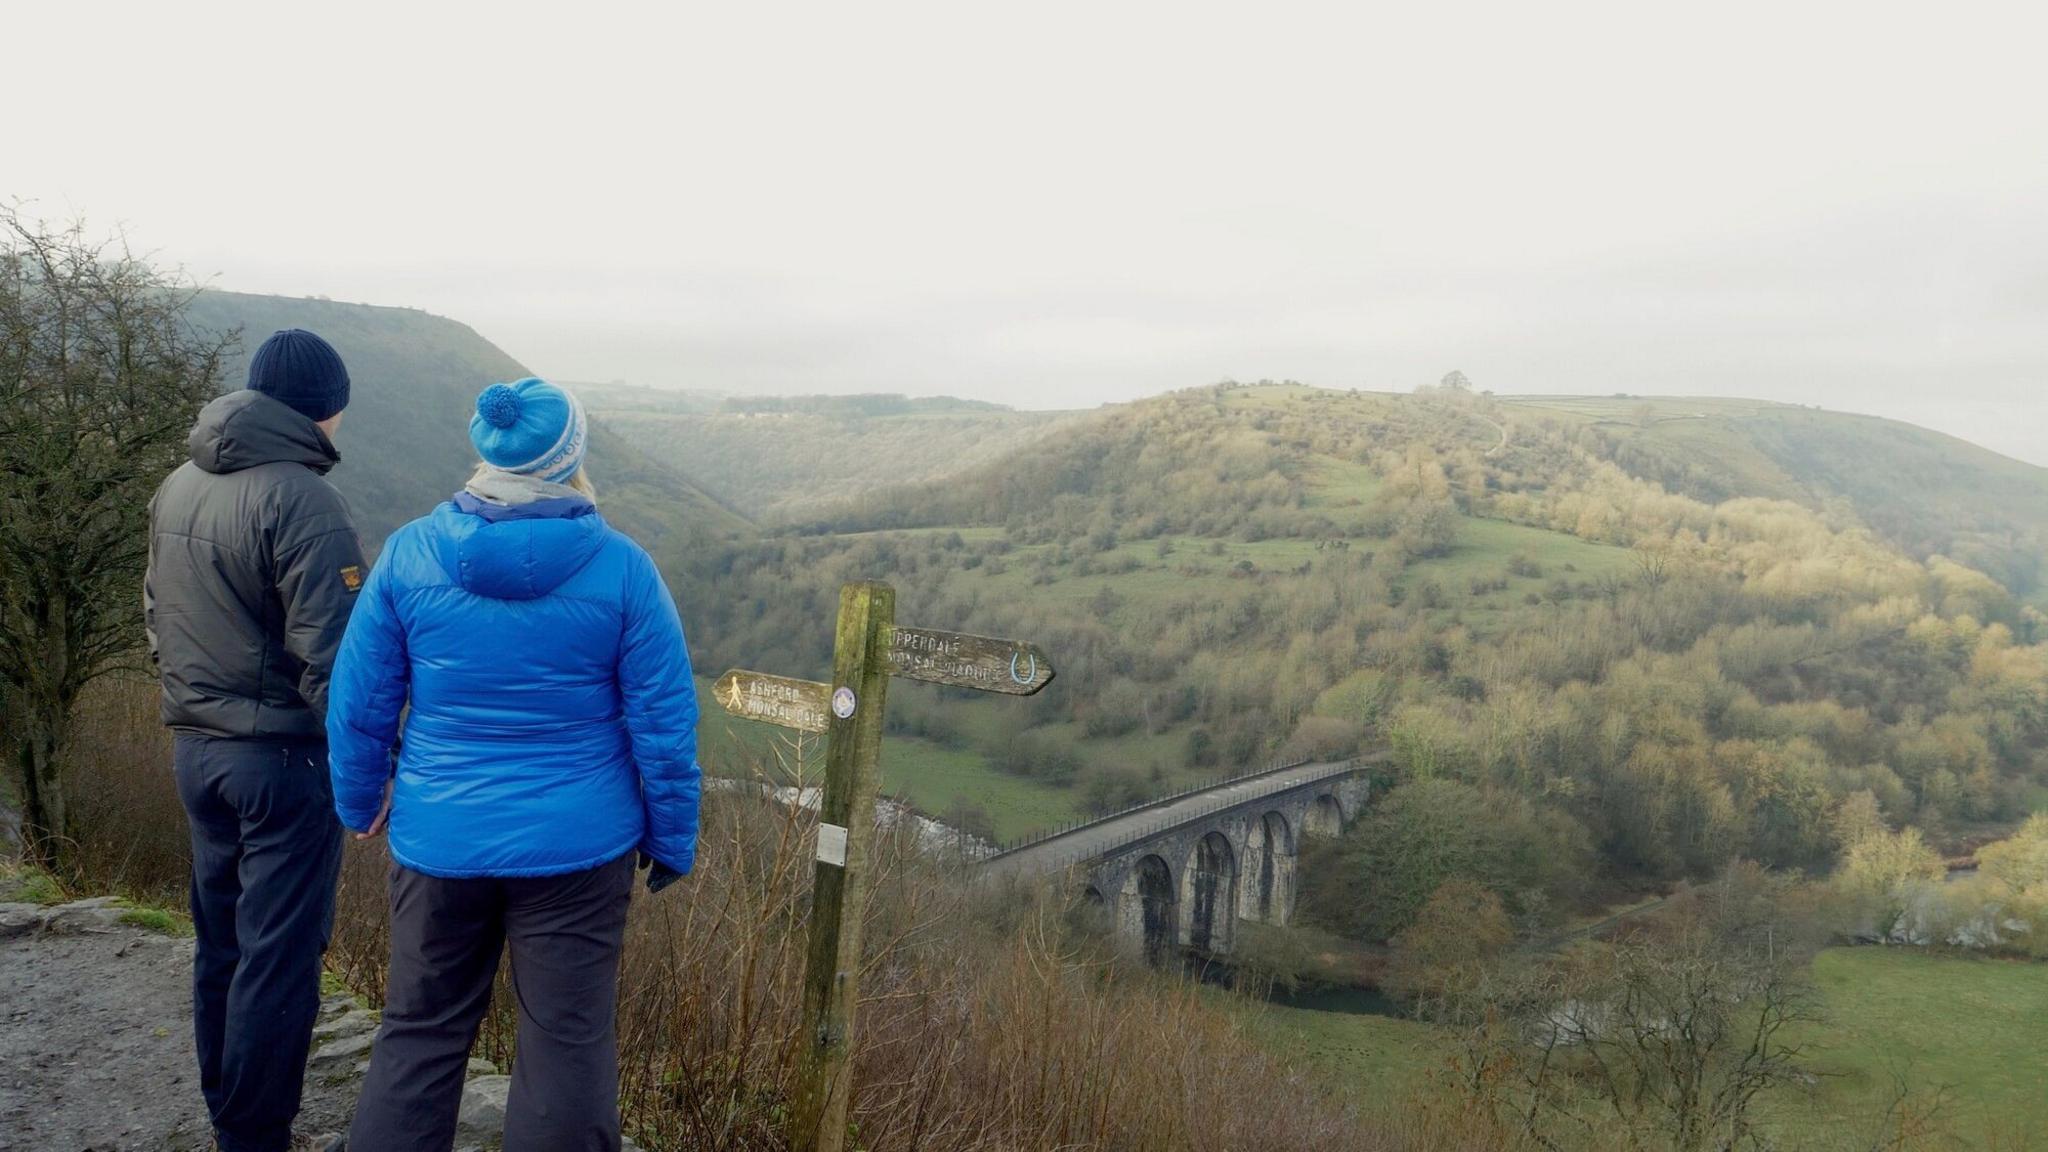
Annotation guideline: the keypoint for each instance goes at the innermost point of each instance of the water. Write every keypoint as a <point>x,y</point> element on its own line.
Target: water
<point>1349,1001</point>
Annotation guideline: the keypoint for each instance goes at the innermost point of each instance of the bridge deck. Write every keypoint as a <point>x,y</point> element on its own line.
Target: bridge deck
<point>1093,840</point>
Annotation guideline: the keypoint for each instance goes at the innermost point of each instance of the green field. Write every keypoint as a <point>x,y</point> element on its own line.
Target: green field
<point>1483,551</point>
<point>1138,571</point>
<point>1142,573</point>
<point>1339,483</point>
<point>926,775</point>
<point>933,779</point>
<point>1975,1029</point>
<point>1382,1061</point>
<point>1483,546</point>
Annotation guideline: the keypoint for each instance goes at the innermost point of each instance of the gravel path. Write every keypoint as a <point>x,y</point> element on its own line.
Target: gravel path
<point>96,1045</point>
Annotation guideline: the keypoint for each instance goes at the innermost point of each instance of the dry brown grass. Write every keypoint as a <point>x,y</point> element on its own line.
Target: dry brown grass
<point>131,827</point>
<point>985,1024</point>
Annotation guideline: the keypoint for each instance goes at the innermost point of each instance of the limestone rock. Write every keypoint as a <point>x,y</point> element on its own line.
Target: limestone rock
<point>482,1119</point>
<point>99,914</point>
<point>478,1066</point>
<point>481,1123</point>
<point>332,1006</point>
<point>342,1051</point>
<point>354,1022</point>
<point>19,920</point>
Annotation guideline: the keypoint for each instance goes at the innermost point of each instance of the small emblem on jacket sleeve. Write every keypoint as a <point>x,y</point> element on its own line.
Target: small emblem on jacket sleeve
<point>352,578</point>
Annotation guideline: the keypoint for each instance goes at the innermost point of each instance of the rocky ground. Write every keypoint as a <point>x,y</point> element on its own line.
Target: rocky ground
<point>96,1040</point>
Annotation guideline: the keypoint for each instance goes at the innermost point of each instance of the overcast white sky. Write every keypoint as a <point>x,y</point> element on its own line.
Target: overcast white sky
<point>1057,204</point>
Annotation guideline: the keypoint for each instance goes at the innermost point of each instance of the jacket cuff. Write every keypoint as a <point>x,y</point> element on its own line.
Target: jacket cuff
<point>680,865</point>
<point>356,818</point>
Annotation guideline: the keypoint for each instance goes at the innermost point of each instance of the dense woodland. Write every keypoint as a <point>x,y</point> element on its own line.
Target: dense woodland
<point>1733,678</point>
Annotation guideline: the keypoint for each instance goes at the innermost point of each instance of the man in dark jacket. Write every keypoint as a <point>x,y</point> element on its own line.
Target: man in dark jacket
<point>253,569</point>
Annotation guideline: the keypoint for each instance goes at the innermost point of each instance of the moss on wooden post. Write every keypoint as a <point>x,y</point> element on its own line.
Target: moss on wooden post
<point>846,831</point>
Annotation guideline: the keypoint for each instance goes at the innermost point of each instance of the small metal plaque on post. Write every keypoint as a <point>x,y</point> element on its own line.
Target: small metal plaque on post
<point>832,845</point>
<point>985,663</point>
<point>867,650</point>
<point>798,704</point>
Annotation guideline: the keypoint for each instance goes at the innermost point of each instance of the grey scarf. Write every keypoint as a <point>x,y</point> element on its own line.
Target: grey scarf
<point>512,489</point>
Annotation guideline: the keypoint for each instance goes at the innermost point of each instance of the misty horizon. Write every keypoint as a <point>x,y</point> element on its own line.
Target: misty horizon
<point>2015,429</point>
<point>1825,206</point>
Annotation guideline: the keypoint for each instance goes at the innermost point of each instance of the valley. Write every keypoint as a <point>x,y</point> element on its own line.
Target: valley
<point>1609,644</point>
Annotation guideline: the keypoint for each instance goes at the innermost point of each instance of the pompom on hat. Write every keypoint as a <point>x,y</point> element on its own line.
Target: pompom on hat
<point>532,428</point>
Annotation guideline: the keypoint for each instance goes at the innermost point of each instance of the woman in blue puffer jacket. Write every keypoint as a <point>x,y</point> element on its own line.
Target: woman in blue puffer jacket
<point>551,737</point>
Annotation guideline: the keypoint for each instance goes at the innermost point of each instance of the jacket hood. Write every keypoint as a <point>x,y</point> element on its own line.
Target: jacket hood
<point>521,557</point>
<point>245,429</point>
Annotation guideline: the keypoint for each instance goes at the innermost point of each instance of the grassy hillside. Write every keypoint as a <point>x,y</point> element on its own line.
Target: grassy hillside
<point>1925,491</point>
<point>1635,682</point>
<point>405,442</point>
<point>781,457</point>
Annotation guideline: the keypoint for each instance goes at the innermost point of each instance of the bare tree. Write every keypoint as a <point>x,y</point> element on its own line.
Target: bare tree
<point>1675,1030</point>
<point>100,380</point>
<point>1653,563</point>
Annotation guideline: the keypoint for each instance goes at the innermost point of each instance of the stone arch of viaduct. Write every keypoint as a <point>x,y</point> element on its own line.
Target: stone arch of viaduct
<point>1187,886</point>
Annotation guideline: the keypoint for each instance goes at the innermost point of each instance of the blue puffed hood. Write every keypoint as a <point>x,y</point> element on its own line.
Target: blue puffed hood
<point>516,553</point>
<point>535,663</point>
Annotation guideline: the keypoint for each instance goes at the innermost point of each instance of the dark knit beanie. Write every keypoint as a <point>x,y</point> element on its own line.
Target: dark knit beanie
<point>302,370</point>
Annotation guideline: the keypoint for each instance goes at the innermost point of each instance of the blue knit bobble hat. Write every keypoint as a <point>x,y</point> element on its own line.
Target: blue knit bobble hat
<point>300,369</point>
<point>530,427</point>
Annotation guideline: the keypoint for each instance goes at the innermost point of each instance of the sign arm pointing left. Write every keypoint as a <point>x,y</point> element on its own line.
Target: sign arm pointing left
<point>799,704</point>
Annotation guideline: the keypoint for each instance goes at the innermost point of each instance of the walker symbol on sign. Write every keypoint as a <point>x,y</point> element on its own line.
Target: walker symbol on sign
<point>798,704</point>
<point>843,702</point>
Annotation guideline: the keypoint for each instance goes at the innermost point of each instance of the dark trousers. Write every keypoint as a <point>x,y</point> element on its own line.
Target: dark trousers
<point>566,934</point>
<point>266,851</point>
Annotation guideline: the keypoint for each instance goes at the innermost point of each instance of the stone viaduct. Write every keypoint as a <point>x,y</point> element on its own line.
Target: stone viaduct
<point>1178,874</point>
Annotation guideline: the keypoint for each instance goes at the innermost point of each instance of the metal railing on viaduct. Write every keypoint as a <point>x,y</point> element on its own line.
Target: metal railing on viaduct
<point>1076,843</point>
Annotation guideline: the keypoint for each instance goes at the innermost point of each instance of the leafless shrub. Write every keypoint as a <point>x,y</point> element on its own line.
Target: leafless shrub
<point>987,1020</point>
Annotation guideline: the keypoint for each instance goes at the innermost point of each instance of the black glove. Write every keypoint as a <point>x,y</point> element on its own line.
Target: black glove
<point>659,875</point>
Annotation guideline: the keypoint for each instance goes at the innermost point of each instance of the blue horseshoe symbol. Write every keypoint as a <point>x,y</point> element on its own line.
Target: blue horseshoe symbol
<point>1027,677</point>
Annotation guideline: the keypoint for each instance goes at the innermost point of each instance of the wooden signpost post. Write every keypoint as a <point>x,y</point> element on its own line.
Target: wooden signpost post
<point>868,649</point>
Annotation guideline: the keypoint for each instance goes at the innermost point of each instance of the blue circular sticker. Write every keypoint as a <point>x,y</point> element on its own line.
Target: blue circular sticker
<point>843,703</point>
